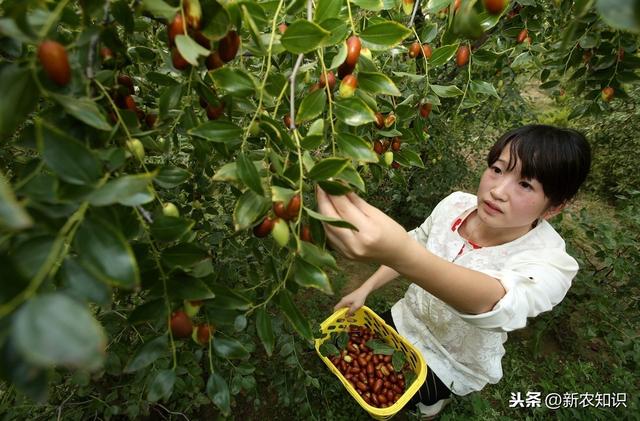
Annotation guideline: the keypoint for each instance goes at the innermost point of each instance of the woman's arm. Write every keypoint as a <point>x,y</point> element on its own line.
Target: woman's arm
<point>381,239</point>
<point>466,290</point>
<point>356,299</point>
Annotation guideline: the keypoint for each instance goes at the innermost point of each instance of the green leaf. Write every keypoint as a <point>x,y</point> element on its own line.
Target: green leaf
<point>161,386</point>
<point>329,220</point>
<point>161,79</point>
<point>229,348</point>
<point>148,312</point>
<point>351,176</point>
<point>311,142</point>
<point>215,20</point>
<point>170,177</point>
<point>379,347</point>
<point>189,288</point>
<point>17,28</point>
<point>12,214</point>
<point>485,57</point>
<point>373,5</point>
<point>253,17</point>
<point>19,97</point>
<point>84,109</point>
<point>342,339</point>
<point>41,188</point>
<point>338,29</point>
<point>106,254</point>
<point>334,188</point>
<point>581,7</point>
<point>148,353</point>
<point>442,55</point>
<point>377,83</point>
<point>397,360</point>
<point>488,21</point>
<point>429,32</point>
<point>159,8</point>
<point>327,168</point>
<point>70,159</point>
<point>308,275</point>
<point>82,284</point>
<point>264,329</point>
<point>327,9</point>
<point>327,349</point>
<point>218,131</point>
<point>55,330</point>
<point>446,91</point>
<point>190,50</point>
<point>521,60</point>
<point>312,106</point>
<point>316,256</point>
<point>340,57</point>
<point>227,298</point>
<point>130,190</point>
<point>26,377</point>
<point>169,99</point>
<point>297,320</point>
<point>248,173</point>
<point>183,255</point>
<point>620,14</point>
<point>482,87</point>
<point>218,392</point>
<point>303,36</point>
<point>228,172</point>
<point>435,6</point>
<point>32,253</point>
<point>235,82</point>
<point>408,157</point>
<point>142,54</point>
<point>316,128</point>
<point>356,148</point>
<point>248,209</point>
<point>409,76</point>
<point>170,228</point>
<point>390,4</point>
<point>383,36</point>
<point>467,23</point>
<point>354,112</point>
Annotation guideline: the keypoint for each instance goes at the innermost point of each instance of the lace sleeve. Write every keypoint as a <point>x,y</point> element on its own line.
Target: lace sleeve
<point>532,286</point>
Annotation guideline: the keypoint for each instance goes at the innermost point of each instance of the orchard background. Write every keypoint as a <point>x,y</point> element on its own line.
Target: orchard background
<point>144,143</point>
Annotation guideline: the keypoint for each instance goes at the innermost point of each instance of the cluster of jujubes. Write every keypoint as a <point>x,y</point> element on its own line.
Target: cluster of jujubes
<point>188,23</point>
<point>277,226</point>
<point>182,325</point>
<point>372,375</point>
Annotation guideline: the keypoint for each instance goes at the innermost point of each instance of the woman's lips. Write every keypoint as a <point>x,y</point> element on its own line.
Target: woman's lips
<point>492,207</point>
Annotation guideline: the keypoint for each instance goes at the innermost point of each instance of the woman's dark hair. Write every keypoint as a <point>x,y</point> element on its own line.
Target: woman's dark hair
<point>558,158</point>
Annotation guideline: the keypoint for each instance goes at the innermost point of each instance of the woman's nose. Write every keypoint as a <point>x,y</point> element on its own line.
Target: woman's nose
<point>499,191</point>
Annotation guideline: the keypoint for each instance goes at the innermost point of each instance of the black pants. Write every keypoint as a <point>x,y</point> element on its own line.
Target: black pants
<point>433,389</point>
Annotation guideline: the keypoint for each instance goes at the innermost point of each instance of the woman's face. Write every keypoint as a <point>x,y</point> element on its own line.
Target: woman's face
<point>508,201</point>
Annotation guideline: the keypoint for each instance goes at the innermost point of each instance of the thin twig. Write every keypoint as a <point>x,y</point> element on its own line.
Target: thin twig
<point>61,405</point>
<point>413,14</point>
<point>171,412</point>
<point>145,214</point>
<point>292,111</point>
<point>94,43</point>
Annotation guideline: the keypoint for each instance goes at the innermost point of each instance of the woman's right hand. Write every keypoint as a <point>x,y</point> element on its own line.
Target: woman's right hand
<point>354,300</point>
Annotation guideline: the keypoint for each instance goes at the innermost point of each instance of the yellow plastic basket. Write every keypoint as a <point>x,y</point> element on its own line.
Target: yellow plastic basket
<point>337,322</point>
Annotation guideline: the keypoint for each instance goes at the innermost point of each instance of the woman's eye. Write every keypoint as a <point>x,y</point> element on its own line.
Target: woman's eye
<point>526,185</point>
<point>496,170</point>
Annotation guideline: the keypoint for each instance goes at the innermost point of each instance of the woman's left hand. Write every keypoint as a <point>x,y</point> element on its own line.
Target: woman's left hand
<point>379,238</point>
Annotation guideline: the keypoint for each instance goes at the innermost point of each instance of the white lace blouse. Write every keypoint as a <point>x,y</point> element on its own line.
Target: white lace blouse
<point>465,350</point>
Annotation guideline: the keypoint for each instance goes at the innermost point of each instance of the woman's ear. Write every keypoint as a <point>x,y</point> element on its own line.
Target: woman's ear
<point>554,210</point>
